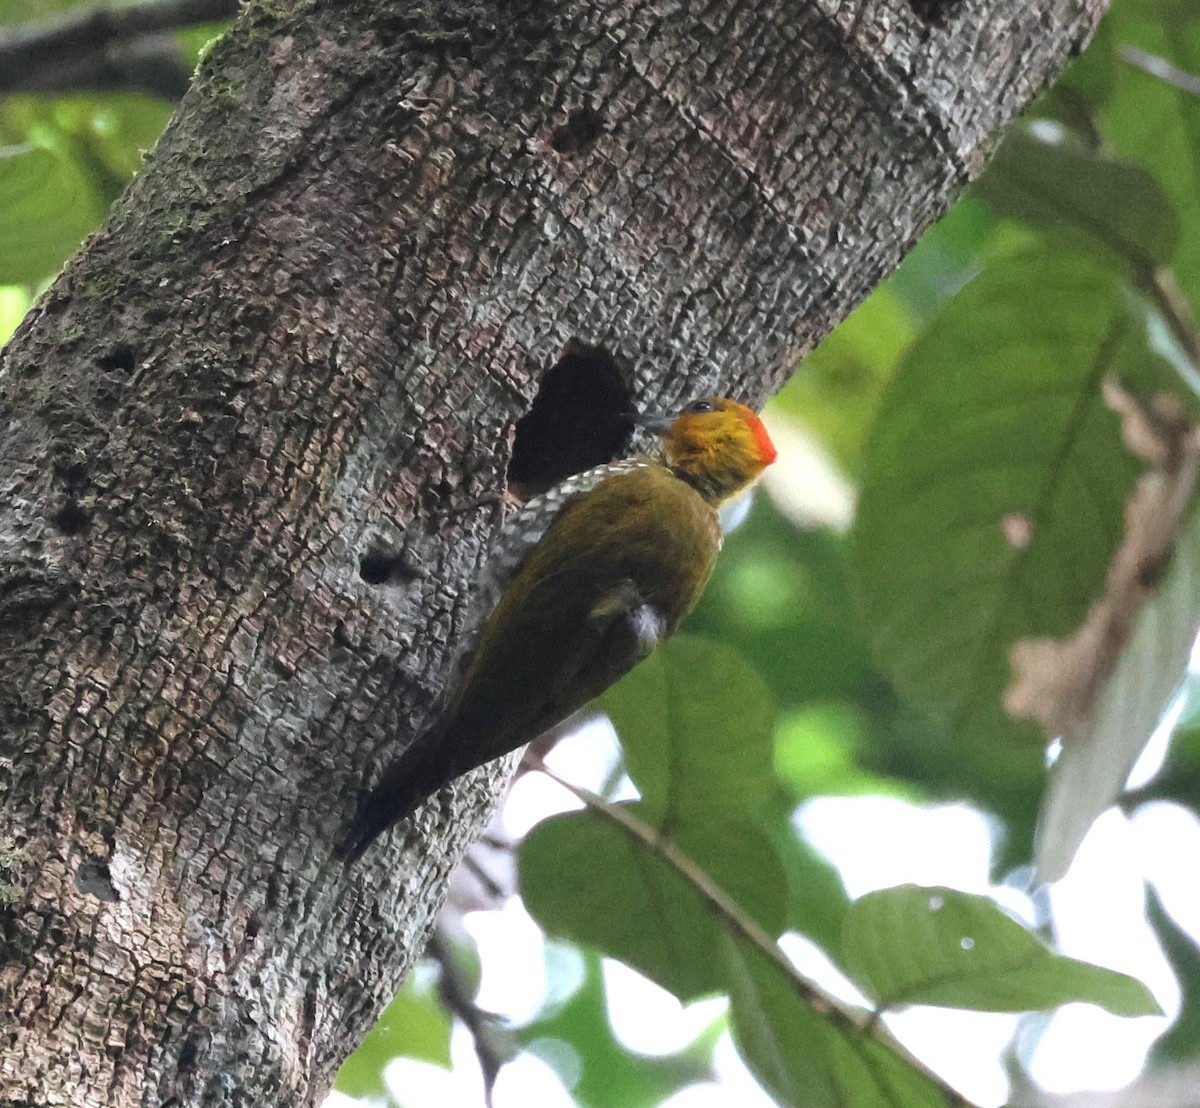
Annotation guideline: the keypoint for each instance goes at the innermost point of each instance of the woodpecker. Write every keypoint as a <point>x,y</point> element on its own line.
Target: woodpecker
<point>584,582</point>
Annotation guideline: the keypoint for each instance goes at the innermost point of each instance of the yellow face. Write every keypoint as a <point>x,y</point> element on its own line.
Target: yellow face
<point>717,426</point>
<point>718,445</point>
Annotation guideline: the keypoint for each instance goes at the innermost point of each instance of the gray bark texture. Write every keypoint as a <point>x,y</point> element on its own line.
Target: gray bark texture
<point>251,443</point>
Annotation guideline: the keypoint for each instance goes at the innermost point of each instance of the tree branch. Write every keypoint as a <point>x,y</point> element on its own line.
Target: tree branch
<point>106,48</point>
<point>827,1007</point>
<point>1160,68</point>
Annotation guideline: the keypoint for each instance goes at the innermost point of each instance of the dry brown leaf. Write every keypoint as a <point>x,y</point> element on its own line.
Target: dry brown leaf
<point>1057,682</point>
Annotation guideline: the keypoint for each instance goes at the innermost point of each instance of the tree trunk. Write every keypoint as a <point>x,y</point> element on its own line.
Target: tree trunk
<point>251,443</point>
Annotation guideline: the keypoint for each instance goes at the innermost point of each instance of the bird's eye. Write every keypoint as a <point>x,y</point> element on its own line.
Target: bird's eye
<point>698,407</point>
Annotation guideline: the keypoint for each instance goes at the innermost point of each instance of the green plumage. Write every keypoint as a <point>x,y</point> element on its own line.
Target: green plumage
<point>583,584</point>
<point>555,640</point>
<point>618,568</point>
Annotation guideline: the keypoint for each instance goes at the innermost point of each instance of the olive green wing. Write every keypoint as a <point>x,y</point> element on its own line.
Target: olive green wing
<point>612,575</point>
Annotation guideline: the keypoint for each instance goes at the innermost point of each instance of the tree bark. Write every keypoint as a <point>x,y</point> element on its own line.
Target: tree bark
<point>251,441</point>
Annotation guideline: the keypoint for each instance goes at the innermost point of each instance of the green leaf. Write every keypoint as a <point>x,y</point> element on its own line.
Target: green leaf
<point>1082,197</point>
<point>586,879</point>
<point>14,303</point>
<point>1156,125</point>
<point>951,253</point>
<point>914,945</point>
<point>697,727</point>
<point>46,208</point>
<point>803,1058</point>
<point>413,1026</point>
<point>995,418</point>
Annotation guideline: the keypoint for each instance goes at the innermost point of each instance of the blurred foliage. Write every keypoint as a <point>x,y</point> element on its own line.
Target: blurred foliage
<point>702,762</point>
<point>962,399</point>
<point>995,414</point>
<point>13,12</point>
<point>63,160</point>
<point>414,1025</point>
<point>1182,1042</point>
<point>62,163</point>
<point>575,1039</point>
<point>1049,178</point>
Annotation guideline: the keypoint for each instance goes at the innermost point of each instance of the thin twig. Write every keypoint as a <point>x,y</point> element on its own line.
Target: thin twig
<point>1160,68</point>
<point>491,886</point>
<point>490,1046</point>
<point>844,1018</point>
<point>1169,298</point>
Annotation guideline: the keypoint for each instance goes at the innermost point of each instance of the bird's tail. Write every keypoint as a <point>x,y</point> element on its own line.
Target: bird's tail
<point>405,786</point>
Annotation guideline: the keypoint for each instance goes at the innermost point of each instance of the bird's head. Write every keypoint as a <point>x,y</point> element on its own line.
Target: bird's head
<point>717,445</point>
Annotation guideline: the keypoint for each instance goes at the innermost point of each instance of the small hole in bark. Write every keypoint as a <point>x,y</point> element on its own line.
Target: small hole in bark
<point>379,567</point>
<point>120,359</point>
<point>579,419</point>
<point>933,12</point>
<point>582,128</point>
<point>73,474</point>
<point>71,519</point>
<point>94,879</point>
<point>187,1054</point>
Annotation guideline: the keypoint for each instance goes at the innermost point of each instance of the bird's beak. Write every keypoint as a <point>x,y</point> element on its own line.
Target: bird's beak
<point>658,423</point>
